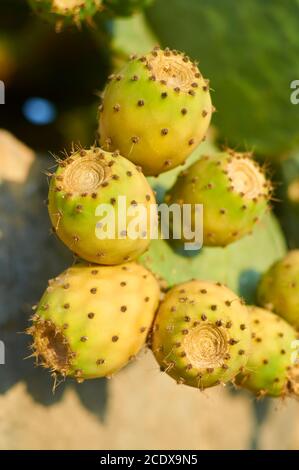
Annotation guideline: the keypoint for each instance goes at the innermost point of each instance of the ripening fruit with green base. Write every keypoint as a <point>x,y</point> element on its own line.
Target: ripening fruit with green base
<point>272,368</point>
<point>201,335</point>
<point>278,289</point>
<point>93,319</point>
<point>156,110</point>
<point>66,12</point>
<point>101,206</point>
<point>233,191</point>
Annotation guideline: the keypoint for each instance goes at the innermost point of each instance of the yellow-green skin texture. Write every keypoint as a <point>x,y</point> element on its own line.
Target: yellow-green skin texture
<point>103,312</point>
<point>270,360</point>
<point>231,208</point>
<point>148,121</point>
<point>278,289</point>
<point>75,11</point>
<point>207,316</point>
<point>73,212</point>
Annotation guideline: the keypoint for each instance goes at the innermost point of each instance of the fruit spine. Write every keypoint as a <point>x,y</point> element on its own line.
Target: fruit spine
<point>278,289</point>
<point>272,368</point>
<point>201,334</point>
<point>233,191</point>
<point>156,110</point>
<point>93,319</point>
<point>85,181</point>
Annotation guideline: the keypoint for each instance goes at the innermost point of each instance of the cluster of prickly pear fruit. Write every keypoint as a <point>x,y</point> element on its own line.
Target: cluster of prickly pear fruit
<point>233,191</point>
<point>94,317</point>
<point>201,335</point>
<point>272,368</point>
<point>88,180</point>
<point>156,110</point>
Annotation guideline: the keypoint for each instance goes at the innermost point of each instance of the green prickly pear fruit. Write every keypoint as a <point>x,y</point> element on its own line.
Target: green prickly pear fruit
<point>201,334</point>
<point>156,110</point>
<point>92,319</point>
<point>233,191</point>
<point>272,367</point>
<point>66,12</point>
<point>278,289</point>
<point>83,187</point>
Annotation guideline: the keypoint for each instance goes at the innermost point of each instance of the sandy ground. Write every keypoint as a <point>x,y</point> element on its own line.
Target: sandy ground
<point>145,409</point>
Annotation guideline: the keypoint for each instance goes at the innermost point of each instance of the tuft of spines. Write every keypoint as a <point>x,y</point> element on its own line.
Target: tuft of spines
<point>163,110</point>
<point>84,181</point>
<point>201,334</point>
<point>278,289</point>
<point>93,319</point>
<point>233,191</point>
<point>272,368</point>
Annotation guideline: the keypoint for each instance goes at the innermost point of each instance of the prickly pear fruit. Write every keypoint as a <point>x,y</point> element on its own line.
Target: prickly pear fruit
<point>92,319</point>
<point>233,191</point>
<point>156,110</point>
<point>279,288</point>
<point>201,334</point>
<point>82,184</point>
<point>272,367</point>
<point>65,12</point>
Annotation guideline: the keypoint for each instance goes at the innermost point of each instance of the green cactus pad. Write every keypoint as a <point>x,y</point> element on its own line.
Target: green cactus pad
<point>271,368</point>
<point>233,191</point>
<point>93,319</point>
<point>156,110</point>
<point>201,334</point>
<point>279,288</point>
<point>65,12</point>
<point>84,181</point>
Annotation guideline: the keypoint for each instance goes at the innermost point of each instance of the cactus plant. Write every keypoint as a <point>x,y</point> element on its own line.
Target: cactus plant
<point>272,368</point>
<point>233,191</point>
<point>92,179</point>
<point>279,288</point>
<point>201,334</point>
<point>92,319</point>
<point>156,110</point>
